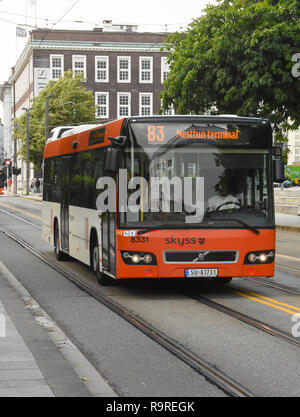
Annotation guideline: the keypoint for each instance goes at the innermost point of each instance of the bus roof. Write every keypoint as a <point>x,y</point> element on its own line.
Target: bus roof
<point>81,135</point>
<point>200,118</point>
<point>77,129</point>
<point>65,146</point>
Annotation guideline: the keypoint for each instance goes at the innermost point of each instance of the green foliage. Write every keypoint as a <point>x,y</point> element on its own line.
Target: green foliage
<point>71,104</point>
<point>279,137</point>
<point>237,58</point>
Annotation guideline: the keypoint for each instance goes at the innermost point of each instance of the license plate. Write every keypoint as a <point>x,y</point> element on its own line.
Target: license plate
<point>200,273</point>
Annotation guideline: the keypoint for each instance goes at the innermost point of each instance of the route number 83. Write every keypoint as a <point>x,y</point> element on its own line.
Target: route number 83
<point>156,133</point>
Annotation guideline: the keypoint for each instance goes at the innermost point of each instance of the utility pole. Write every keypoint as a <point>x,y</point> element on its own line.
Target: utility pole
<point>47,116</point>
<point>27,148</point>
<point>15,158</point>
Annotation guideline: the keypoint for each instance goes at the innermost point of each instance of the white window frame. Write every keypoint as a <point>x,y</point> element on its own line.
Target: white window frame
<point>74,58</point>
<point>55,68</point>
<point>150,71</point>
<point>127,58</point>
<point>119,105</point>
<point>106,106</point>
<point>164,68</point>
<point>106,60</point>
<point>141,106</point>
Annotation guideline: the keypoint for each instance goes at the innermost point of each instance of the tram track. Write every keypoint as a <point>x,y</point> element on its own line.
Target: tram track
<point>210,372</point>
<point>265,327</point>
<point>255,279</point>
<point>276,286</point>
<point>214,375</point>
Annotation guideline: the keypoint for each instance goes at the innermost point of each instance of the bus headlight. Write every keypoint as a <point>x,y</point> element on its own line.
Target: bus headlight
<point>259,257</point>
<point>135,258</point>
<point>138,258</point>
<point>147,258</point>
<point>252,257</point>
<point>262,257</point>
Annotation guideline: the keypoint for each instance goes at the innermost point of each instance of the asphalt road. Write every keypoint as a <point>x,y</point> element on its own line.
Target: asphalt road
<point>132,363</point>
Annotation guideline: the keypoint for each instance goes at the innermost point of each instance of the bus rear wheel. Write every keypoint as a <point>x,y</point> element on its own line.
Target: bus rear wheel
<point>102,278</point>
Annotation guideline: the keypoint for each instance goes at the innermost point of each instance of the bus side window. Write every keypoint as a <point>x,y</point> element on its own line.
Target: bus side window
<point>87,180</point>
<point>75,186</point>
<point>47,188</point>
<point>57,177</point>
<point>99,171</point>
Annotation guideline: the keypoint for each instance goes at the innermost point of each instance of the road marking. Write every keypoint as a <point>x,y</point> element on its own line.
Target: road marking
<point>255,294</point>
<point>21,211</point>
<point>260,300</point>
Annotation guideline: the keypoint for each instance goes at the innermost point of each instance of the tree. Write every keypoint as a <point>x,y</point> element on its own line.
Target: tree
<point>71,104</point>
<point>238,58</point>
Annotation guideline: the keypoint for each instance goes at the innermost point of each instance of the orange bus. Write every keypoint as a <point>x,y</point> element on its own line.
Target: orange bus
<point>164,197</point>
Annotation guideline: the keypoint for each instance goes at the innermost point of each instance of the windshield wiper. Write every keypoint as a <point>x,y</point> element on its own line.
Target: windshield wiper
<point>150,229</point>
<point>246,225</point>
<point>191,226</point>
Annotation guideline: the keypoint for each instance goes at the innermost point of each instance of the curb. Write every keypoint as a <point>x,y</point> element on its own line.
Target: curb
<point>288,228</point>
<point>92,379</point>
<point>27,197</point>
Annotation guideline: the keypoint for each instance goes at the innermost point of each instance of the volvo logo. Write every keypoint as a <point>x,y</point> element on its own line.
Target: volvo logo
<point>201,256</point>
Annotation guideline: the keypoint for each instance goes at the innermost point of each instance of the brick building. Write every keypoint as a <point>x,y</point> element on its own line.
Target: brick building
<point>123,68</point>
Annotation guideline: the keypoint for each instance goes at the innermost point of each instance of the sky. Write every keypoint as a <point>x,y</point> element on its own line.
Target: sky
<point>157,15</point>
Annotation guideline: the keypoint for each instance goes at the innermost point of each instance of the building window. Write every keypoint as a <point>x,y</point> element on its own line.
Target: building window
<point>164,69</point>
<point>102,104</point>
<point>101,70</point>
<point>124,104</point>
<point>146,69</point>
<point>146,104</point>
<point>124,69</point>
<point>79,64</point>
<point>56,66</point>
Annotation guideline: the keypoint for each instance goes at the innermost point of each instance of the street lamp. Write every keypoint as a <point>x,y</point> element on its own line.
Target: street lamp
<point>27,147</point>
<point>47,116</point>
<point>16,128</point>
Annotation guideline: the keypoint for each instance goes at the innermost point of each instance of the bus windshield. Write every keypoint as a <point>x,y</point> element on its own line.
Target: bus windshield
<point>198,175</point>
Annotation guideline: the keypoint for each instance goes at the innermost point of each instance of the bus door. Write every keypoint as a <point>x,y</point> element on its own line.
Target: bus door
<point>65,200</point>
<point>108,242</point>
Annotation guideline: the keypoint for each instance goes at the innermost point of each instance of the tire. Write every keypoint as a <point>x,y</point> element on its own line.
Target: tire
<point>60,256</point>
<point>102,278</point>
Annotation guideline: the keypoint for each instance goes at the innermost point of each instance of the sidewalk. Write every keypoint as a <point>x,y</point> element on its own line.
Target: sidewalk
<point>36,357</point>
<point>30,363</point>
<point>30,196</point>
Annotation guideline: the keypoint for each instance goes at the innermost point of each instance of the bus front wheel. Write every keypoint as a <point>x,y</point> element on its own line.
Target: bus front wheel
<point>102,278</point>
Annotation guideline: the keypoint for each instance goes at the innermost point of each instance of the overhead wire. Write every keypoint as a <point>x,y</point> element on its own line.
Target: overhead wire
<point>69,9</point>
<point>91,22</point>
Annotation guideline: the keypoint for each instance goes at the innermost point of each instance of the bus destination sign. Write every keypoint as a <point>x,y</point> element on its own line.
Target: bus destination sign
<point>161,133</point>
<point>207,134</point>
